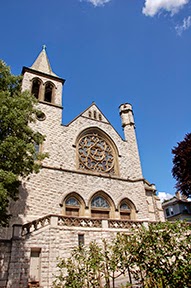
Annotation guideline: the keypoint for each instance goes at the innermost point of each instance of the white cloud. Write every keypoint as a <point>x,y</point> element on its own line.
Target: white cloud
<point>152,7</point>
<point>164,196</point>
<point>98,2</point>
<point>186,23</point>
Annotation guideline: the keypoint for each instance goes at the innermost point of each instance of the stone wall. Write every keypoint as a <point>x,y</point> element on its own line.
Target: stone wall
<point>5,255</point>
<point>46,191</point>
<point>55,237</point>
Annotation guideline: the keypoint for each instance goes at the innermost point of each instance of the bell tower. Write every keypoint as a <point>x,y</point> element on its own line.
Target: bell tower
<point>45,85</point>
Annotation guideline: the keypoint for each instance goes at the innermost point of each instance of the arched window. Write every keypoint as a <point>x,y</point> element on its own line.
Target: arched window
<point>100,207</point>
<point>48,93</point>
<point>96,152</point>
<point>127,210</point>
<point>36,83</point>
<point>72,206</point>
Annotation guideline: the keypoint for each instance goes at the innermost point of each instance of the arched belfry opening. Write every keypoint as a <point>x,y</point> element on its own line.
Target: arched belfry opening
<point>42,82</point>
<point>48,92</point>
<point>36,87</point>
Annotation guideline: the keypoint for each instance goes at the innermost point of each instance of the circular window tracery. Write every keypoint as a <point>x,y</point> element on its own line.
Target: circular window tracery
<point>96,154</point>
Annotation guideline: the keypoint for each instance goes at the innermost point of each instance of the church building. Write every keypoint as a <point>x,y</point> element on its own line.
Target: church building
<point>90,187</point>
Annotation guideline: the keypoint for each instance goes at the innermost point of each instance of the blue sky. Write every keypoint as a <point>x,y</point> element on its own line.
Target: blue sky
<point>113,52</point>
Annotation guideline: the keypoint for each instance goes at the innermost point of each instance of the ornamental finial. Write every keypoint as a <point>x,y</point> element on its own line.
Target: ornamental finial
<point>44,47</point>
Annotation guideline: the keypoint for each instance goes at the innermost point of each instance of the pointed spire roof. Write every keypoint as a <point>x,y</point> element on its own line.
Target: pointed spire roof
<point>42,63</point>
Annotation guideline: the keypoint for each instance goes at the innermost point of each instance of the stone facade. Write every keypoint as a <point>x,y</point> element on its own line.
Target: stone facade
<point>91,184</point>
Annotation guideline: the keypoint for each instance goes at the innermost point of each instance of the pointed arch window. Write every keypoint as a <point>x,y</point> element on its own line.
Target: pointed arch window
<point>99,202</point>
<point>36,85</point>
<point>72,206</point>
<point>100,207</point>
<point>127,210</point>
<point>48,93</point>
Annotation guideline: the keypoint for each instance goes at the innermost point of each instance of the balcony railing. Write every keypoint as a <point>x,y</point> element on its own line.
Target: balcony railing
<point>79,222</point>
<point>70,221</point>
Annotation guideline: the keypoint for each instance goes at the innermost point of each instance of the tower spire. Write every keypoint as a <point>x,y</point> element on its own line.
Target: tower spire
<point>42,63</point>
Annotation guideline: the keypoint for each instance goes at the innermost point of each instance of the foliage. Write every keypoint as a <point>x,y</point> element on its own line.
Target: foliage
<point>162,254</point>
<point>182,165</point>
<point>83,268</point>
<point>155,256</point>
<point>17,139</point>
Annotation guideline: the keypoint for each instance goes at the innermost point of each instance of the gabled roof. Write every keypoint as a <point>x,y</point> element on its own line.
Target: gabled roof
<point>92,112</point>
<point>42,63</point>
<point>175,200</point>
<point>95,114</point>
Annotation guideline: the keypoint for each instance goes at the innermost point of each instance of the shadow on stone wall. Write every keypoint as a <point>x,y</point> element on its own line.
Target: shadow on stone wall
<point>14,256</point>
<point>19,208</point>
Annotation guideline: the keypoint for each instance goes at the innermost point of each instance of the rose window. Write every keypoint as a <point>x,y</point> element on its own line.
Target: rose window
<point>95,154</point>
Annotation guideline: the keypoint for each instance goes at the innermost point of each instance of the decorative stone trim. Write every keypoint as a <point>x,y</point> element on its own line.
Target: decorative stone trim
<point>68,221</point>
<point>93,174</point>
<point>124,224</point>
<point>80,222</point>
<point>35,225</point>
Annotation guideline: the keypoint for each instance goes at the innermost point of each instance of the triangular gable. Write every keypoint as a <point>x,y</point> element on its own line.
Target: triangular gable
<point>89,114</point>
<point>93,112</point>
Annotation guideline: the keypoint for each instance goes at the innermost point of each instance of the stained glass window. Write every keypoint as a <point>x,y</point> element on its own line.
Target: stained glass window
<point>125,207</point>
<point>96,154</point>
<point>72,202</point>
<point>99,202</point>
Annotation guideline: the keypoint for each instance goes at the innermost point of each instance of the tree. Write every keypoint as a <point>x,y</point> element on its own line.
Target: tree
<point>18,156</point>
<point>155,256</point>
<point>181,170</point>
<point>162,254</point>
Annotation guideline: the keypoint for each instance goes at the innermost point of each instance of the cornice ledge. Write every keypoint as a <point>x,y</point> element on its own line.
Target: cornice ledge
<point>113,177</point>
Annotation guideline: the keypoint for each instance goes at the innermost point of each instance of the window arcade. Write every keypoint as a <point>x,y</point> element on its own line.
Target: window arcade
<point>42,92</point>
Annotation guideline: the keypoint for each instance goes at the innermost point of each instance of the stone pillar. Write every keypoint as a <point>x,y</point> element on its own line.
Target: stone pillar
<point>16,232</point>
